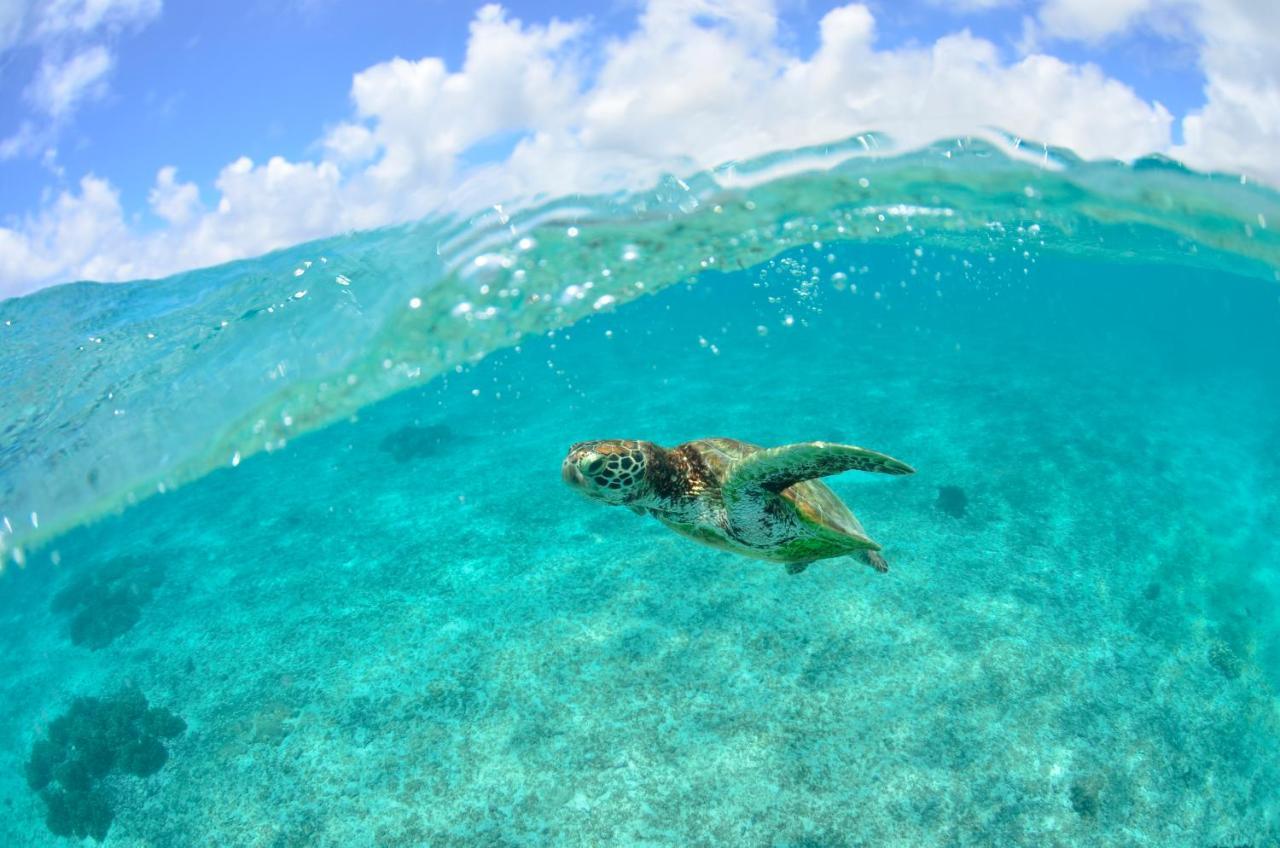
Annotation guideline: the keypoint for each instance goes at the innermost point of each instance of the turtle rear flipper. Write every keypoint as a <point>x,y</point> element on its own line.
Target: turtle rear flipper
<point>849,539</point>
<point>873,559</point>
<point>870,557</point>
<point>775,469</point>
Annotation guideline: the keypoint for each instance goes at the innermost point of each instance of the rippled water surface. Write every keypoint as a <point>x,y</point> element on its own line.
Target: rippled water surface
<point>289,562</point>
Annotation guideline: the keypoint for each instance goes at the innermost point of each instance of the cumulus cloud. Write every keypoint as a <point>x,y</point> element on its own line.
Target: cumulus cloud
<point>415,119</point>
<point>960,84</point>
<point>173,201</point>
<point>77,232</point>
<point>1091,20</point>
<point>269,205</point>
<point>1238,127</point>
<point>698,82</point>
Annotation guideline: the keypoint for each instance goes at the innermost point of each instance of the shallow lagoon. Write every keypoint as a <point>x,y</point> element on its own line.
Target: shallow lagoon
<point>402,629</point>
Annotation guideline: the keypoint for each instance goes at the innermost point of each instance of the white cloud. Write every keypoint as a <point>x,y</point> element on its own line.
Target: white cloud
<point>697,83</point>
<point>174,201</point>
<point>75,236</point>
<point>74,40</point>
<point>972,5</point>
<point>12,16</point>
<point>960,84</point>
<point>1091,20</point>
<point>62,84</point>
<point>24,141</point>
<point>351,143</point>
<point>56,17</point>
<point>1239,126</point>
<point>416,118</point>
<point>266,206</point>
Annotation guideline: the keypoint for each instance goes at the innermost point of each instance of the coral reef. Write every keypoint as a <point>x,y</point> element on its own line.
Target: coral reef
<point>1084,797</point>
<point>107,602</point>
<point>95,738</point>
<point>952,500</point>
<point>417,442</point>
<point>378,655</point>
<point>1225,660</point>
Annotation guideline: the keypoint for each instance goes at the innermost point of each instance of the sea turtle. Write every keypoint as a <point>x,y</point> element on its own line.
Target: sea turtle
<point>765,503</point>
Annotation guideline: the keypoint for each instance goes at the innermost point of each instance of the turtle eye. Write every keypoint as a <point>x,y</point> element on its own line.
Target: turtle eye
<point>595,465</point>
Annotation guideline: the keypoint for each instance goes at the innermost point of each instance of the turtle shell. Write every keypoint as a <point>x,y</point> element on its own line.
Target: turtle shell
<point>813,500</point>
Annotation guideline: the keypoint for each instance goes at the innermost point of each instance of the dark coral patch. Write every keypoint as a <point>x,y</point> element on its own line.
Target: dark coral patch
<point>77,814</point>
<point>1085,799</point>
<point>106,602</point>
<point>1225,660</point>
<point>93,740</point>
<point>413,442</point>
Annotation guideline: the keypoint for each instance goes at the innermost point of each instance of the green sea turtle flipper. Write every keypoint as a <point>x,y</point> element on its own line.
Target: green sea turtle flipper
<point>796,567</point>
<point>846,538</point>
<point>777,468</point>
<point>873,559</point>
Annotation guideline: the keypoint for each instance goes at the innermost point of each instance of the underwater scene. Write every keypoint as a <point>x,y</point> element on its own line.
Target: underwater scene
<point>290,560</point>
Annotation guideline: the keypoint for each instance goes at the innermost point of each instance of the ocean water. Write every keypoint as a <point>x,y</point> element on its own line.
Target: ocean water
<point>311,505</point>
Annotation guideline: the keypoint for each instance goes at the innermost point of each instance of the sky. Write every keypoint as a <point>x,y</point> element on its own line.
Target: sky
<point>140,138</point>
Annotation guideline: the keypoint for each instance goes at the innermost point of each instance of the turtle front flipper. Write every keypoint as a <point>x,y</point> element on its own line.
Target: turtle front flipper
<point>775,469</point>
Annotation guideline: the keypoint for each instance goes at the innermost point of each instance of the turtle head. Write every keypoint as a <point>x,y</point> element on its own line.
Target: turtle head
<point>611,470</point>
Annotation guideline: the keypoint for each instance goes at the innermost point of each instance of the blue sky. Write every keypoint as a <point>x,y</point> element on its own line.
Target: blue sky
<point>196,86</point>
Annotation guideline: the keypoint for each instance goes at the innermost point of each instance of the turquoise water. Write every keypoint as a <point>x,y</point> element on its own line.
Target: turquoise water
<point>383,619</point>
